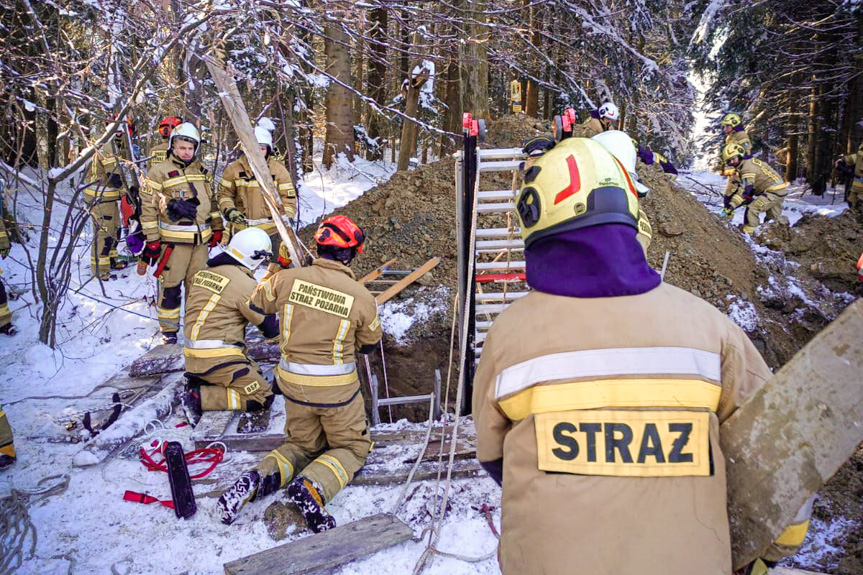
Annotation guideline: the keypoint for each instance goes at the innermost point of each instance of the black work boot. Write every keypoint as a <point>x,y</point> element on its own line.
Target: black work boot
<point>243,490</point>
<point>306,495</point>
<point>6,460</point>
<point>8,329</point>
<point>169,337</point>
<point>190,400</point>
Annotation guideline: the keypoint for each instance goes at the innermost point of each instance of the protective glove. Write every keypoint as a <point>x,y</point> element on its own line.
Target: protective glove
<point>284,259</point>
<point>645,155</point>
<point>747,194</point>
<point>726,212</point>
<point>215,239</point>
<point>726,201</point>
<point>152,251</point>
<point>236,217</point>
<point>183,209</point>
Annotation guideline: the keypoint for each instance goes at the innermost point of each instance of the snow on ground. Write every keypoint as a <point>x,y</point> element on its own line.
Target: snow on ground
<point>87,527</point>
<point>398,317</point>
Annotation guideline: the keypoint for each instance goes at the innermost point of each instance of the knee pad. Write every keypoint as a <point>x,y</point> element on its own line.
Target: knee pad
<point>171,297</point>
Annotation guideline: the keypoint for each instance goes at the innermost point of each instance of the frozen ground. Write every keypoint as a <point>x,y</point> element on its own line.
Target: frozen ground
<point>88,528</point>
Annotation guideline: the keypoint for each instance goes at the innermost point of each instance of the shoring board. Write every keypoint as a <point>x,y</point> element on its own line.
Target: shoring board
<point>392,291</point>
<point>784,443</point>
<point>325,550</point>
<point>376,273</point>
<point>169,358</point>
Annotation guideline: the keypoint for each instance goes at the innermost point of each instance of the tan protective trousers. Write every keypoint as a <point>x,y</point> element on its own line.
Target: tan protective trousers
<point>325,444</point>
<point>769,202</point>
<point>855,196</point>
<point>184,262</point>
<point>6,447</point>
<point>5,314</point>
<point>106,235</point>
<point>232,387</point>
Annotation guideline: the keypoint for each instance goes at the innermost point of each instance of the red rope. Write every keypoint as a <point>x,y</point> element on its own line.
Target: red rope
<point>211,456</point>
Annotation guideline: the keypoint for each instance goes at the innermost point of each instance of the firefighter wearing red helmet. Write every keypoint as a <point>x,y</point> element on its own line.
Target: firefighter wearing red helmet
<point>159,152</point>
<point>326,319</point>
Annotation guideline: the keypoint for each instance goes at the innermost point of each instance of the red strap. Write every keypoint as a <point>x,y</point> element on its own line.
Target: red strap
<point>501,277</point>
<point>136,497</point>
<point>211,455</point>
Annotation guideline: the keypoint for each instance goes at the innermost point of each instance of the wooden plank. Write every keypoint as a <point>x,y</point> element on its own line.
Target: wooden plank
<point>160,359</point>
<point>375,274</point>
<point>427,470</point>
<point>325,550</point>
<point>236,110</point>
<point>787,571</point>
<point>792,436</point>
<point>409,279</point>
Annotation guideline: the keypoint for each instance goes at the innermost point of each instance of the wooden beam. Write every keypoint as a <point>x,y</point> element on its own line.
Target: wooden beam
<point>407,280</point>
<point>375,274</point>
<point>239,117</point>
<point>792,436</point>
<point>325,550</point>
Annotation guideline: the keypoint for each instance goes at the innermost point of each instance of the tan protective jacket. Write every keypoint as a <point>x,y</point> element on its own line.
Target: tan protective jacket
<point>217,312</point>
<point>325,315</point>
<point>856,160</point>
<point>761,177</point>
<point>158,153</point>
<point>606,413</point>
<point>593,126</point>
<point>173,180</point>
<point>239,189</point>
<point>105,177</point>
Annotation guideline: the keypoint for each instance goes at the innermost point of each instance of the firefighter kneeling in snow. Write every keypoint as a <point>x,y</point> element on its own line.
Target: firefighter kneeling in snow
<point>598,397</point>
<point>326,317</point>
<point>221,375</point>
<point>758,186</point>
<point>179,218</point>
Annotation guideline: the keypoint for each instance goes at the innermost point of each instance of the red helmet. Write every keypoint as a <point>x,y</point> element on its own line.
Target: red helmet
<point>167,124</point>
<point>340,232</point>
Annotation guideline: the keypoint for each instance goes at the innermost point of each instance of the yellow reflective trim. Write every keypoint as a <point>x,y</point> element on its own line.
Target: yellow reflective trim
<point>793,535</point>
<point>215,215</point>
<point>338,342</point>
<point>268,289</point>
<point>287,320</point>
<point>202,317</point>
<point>286,468</point>
<point>685,393</point>
<point>150,225</point>
<point>185,179</point>
<point>4,310</point>
<point>217,352</point>
<point>643,443</point>
<point>777,187</point>
<point>375,322</point>
<point>8,450</point>
<point>336,467</point>
<point>234,401</point>
<point>102,194</point>
<point>151,184</point>
<point>317,380</point>
<point>185,237</point>
<point>169,313</point>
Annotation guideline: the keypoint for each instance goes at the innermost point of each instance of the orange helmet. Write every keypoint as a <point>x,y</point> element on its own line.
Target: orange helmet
<point>340,232</point>
<point>129,124</point>
<point>167,124</point>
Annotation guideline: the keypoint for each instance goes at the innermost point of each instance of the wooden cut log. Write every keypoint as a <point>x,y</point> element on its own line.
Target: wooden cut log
<point>325,550</point>
<point>792,436</point>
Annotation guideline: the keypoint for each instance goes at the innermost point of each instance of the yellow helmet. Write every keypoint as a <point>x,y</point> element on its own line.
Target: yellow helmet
<point>576,184</point>
<point>732,150</point>
<point>731,119</point>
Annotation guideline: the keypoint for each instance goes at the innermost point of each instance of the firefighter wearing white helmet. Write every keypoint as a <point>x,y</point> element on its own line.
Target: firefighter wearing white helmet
<point>601,120</point>
<point>620,145</point>
<point>180,218</point>
<point>220,374</point>
<point>600,393</point>
<point>241,199</point>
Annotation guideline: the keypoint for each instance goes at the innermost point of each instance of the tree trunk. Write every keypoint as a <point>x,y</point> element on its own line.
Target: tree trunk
<point>531,98</point>
<point>793,144</point>
<point>377,78</point>
<point>452,118</point>
<point>359,76</point>
<point>340,121</point>
<point>812,136</point>
<point>412,98</point>
<point>473,63</point>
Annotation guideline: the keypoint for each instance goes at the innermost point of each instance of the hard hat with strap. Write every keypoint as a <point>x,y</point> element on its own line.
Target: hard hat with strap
<point>576,184</point>
<point>732,150</point>
<point>621,147</point>
<point>731,119</point>
<point>264,137</point>
<point>186,132</point>
<point>167,124</point>
<point>610,111</point>
<point>340,232</point>
<point>251,247</point>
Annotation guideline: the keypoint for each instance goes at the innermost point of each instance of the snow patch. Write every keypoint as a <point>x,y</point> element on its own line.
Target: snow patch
<point>397,318</point>
<point>743,313</point>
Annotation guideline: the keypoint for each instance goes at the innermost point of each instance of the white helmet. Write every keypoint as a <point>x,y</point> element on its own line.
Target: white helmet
<point>620,145</point>
<point>267,124</point>
<point>264,137</point>
<point>610,111</point>
<point>186,131</point>
<point>251,247</point>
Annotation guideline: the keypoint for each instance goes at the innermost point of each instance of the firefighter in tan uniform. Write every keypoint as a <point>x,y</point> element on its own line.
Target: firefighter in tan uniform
<point>758,186</point>
<point>7,449</point>
<point>735,133</point>
<point>855,162</point>
<point>219,371</point>
<point>601,120</point>
<point>241,199</point>
<point>102,196</point>
<point>179,219</point>
<point>326,319</point>
<point>6,327</point>
<point>159,152</point>
<point>598,397</point>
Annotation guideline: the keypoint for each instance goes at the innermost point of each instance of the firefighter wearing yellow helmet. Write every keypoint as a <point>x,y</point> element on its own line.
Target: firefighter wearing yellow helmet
<point>735,133</point>
<point>603,389</point>
<point>854,162</point>
<point>758,186</point>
